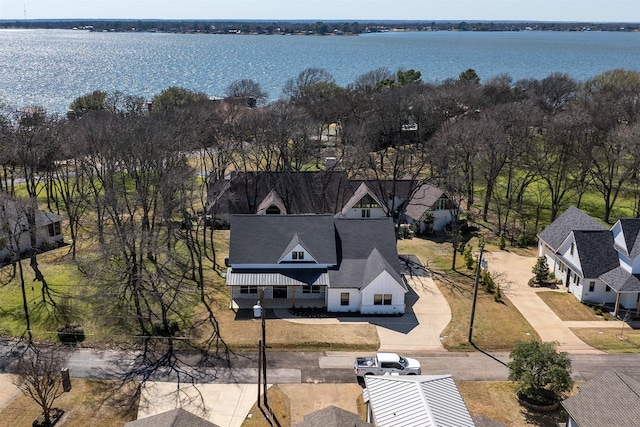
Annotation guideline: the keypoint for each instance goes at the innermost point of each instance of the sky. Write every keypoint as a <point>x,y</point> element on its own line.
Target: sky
<point>347,10</point>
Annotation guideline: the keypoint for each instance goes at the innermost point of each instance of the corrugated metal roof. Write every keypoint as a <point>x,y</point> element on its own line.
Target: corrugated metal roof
<point>277,278</point>
<point>417,401</point>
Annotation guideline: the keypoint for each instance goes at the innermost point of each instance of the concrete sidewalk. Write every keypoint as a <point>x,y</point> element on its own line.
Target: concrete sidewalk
<point>514,272</point>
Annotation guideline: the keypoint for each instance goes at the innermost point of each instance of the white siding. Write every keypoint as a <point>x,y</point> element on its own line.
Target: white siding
<point>373,213</point>
<point>441,218</point>
<point>333,300</point>
<point>569,251</point>
<point>384,284</point>
<point>629,301</point>
<point>599,294</point>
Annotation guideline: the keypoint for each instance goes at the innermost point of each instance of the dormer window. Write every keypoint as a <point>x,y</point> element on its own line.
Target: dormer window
<point>367,202</point>
<point>571,250</point>
<point>298,255</point>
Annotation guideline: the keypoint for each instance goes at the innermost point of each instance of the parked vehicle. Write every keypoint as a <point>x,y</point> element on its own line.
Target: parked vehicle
<point>386,363</point>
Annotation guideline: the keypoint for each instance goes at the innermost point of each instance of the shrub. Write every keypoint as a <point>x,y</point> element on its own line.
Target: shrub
<point>503,243</point>
<point>487,281</point>
<point>497,295</point>
<point>168,329</point>
<point>541,270</point>
<point>468,257</point>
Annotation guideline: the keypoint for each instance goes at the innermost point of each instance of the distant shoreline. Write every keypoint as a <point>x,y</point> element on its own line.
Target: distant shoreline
<point>318,28</point>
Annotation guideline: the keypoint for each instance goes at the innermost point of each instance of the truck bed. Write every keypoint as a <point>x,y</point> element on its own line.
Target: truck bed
<point>366,362</point>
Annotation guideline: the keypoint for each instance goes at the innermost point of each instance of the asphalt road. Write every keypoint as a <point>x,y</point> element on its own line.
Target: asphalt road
<point>315,367</point>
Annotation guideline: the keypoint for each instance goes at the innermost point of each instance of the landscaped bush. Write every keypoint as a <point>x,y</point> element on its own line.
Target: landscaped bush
<point>168,329</point>
<point>71,334</point>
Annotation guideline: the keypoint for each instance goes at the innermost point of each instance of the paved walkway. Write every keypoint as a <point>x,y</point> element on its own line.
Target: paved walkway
<point>514,273</point>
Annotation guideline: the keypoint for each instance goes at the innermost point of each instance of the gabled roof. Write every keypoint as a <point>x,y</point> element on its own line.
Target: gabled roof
<point>572,219</point>
<point>423,199</point>
<point>262,239</point>
<point>596,252</point>
<point>174,418</point>
<point>332,416</point>
<point>356,250</point>
<point>362,190</point>
<point>631,233</point>
<point>610,399</point>
<point>420,400</point>
<point>273,198</point>
<point>621,280</point>
<point>319,192</point>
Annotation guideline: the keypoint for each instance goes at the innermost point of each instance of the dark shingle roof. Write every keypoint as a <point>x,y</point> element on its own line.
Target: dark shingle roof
<point>621,280</point>
<point>320,192</point>
<point>610,399</point>
<point>262,239</point>
<point>174,418</point>
<point>332,416</point>
<point>631,232</point>
<point>572,219</point>
<point>596,252</point>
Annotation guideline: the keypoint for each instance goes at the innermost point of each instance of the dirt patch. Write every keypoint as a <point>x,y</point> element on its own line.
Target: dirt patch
<point>308,398</point>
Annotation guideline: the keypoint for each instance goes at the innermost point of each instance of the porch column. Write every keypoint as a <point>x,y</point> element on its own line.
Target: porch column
<point>615,310</point>
<point>293,296</point>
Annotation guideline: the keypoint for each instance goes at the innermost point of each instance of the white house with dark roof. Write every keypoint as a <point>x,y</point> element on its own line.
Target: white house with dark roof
<point>345,265</point>
<point>595,264</point>
<point>610,399</point>
<point>415,400</point>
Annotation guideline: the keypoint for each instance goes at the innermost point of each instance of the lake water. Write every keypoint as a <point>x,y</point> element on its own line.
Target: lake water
<point>51,68</point>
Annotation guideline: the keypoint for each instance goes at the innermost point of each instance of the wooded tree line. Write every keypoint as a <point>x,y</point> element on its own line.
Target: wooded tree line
<point>132,177</point>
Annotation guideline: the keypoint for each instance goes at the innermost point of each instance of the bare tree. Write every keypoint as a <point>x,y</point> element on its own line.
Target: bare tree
<point>38,376</point>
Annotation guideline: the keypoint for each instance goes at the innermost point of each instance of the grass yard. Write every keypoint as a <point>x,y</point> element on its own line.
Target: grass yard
<point>497,401</point>
<point>567,307</point>
<point>611,340</point>
<point>497,325</point>
<point>86,404</point>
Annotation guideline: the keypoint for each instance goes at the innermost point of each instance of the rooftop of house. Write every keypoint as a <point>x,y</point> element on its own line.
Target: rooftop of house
<point>332,416</point>
<point>610,399</point>
<point>572,219</point>
<point>174,418</point>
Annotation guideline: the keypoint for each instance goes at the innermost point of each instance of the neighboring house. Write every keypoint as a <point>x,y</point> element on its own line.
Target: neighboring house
<point>595,264</point>
<point>611,399</point>
<point>345,265</point>
<point>415,401</point>
<point>328,192</point>
<point>174,418</point>
<point>332,416</point>
<point>15,237</point>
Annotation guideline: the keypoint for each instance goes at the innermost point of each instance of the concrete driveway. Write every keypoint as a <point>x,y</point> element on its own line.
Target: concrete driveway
<point>514,272</point>
<point>427,314</point>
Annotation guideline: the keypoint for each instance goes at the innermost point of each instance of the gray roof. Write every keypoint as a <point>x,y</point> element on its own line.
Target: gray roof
<point>262,239</point>
<point>610,399</point>
<point>332,416</point>
<point>357,250</point>
<point>174,418</point>
<point>596,252</point>
<point>621,280</point>
<point>631,232</point>
<point>420,400</point>
<point>288,277</point>
<point>423,199</point>
<point>572,219</point>
<point>319,192</point>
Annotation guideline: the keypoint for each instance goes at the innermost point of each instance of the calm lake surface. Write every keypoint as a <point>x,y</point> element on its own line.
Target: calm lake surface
<point>51,68</point>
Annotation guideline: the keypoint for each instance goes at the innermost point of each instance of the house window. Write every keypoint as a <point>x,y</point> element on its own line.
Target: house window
<point>54,229</point>
<point>571,250</point>
<point>297,255</point>
<point>311,289</point>
<point>382,299</point>
<point>441,204</point>
<point>344,298</point>
<point>607,289</point>
<point>366,202</point>
<point>248,289</point>
<point>592,286</point>
<point>273,210</point>
<point>366,213</point>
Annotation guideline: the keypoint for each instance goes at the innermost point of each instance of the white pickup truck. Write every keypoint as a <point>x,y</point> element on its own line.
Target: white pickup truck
<point>386,363</point>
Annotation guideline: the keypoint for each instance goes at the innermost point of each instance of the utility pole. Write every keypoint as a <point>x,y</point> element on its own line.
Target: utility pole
<point>475,294</point>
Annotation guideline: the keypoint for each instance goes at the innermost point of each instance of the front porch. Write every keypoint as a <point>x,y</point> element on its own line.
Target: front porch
<point>248,303</point>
